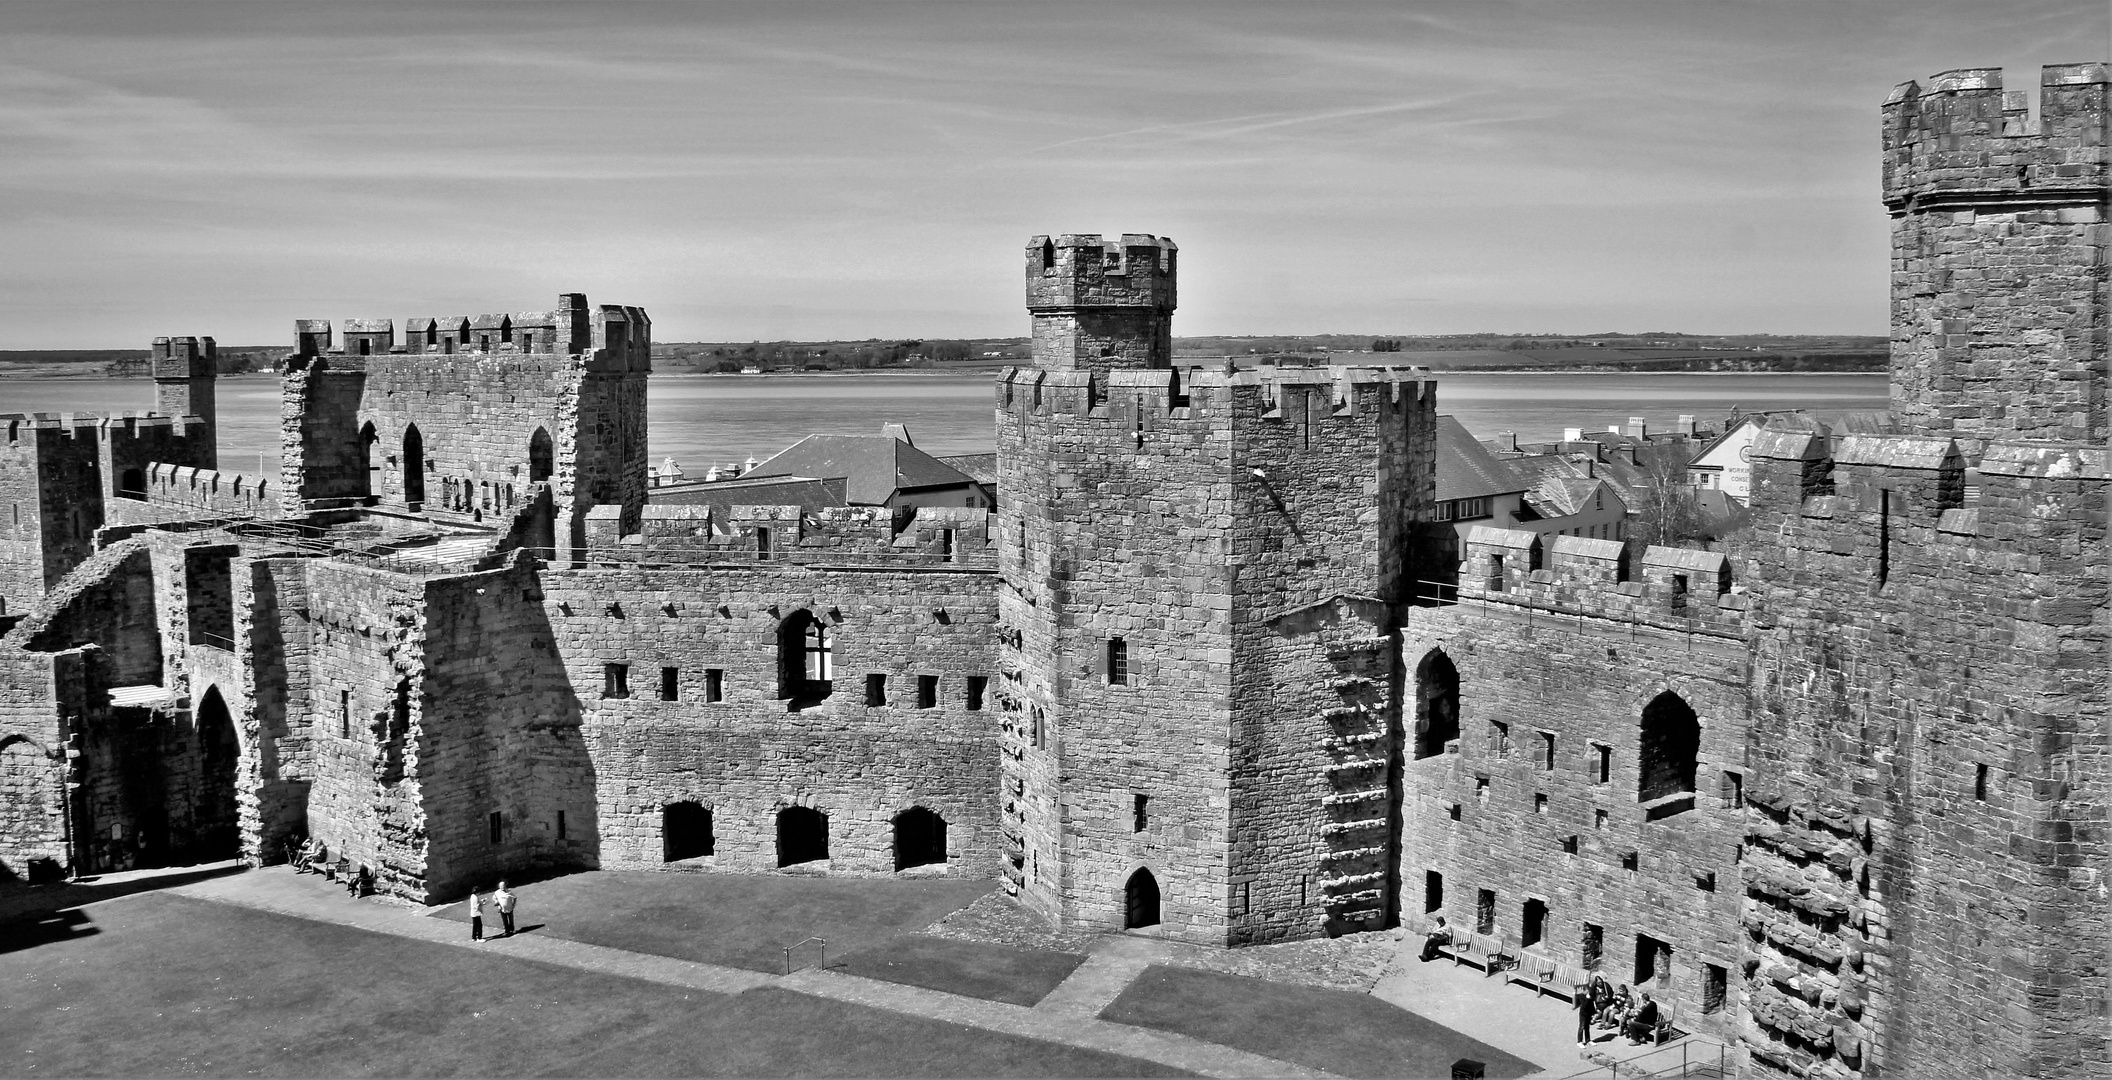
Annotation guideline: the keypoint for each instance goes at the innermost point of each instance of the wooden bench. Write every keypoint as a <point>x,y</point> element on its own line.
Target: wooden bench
<point>1484,951</point>
<point>1546,975</point>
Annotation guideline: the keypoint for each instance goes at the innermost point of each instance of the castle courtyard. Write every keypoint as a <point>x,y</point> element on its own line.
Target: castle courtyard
<point>659,974</point>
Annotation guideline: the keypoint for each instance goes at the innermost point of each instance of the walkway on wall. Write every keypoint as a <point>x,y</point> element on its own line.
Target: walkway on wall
<point>1062,1017</point>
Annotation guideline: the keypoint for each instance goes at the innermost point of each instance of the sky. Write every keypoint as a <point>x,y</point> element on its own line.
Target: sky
<point>874,169</point>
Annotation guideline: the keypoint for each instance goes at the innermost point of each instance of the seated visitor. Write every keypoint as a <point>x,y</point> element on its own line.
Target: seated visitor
<point>1641,1025</point>
<point>1435,938</point>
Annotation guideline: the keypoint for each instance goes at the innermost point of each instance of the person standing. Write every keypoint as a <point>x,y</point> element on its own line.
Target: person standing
<point>1581,998</point>
<point>476,915</point>
<point>504,901</point>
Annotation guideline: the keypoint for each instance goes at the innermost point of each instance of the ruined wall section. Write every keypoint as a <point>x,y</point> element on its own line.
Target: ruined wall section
<point>366,663</point>
<point>505,775</point>
<point>1998,255</point>
<point>1929,751</point>
<point>676,535</point>
<point>748,754</point>
<point>324,461</point>
<point>1541,798</point>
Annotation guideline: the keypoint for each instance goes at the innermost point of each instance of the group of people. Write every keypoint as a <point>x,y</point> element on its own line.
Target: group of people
<point>501,900</point>
<point>1601,1004</point>
<point>313,857</point>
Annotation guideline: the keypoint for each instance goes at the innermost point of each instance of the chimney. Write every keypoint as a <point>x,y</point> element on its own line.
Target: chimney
<point>1507,440</point>
<point>1637,429</point>
<point>1685,425</point>
<point>1573,434</point>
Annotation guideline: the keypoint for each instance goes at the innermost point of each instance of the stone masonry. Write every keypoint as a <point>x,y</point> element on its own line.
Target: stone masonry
<point>1837,794</point>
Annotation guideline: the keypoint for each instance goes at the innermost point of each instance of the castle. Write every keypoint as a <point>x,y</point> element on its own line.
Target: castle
<point>1837,795</point>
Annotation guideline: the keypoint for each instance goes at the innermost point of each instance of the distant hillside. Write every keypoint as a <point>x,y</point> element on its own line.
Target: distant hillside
<point>122,363</point>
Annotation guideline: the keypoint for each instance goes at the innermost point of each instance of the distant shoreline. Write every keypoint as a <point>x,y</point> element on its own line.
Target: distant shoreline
<point>91,376</point>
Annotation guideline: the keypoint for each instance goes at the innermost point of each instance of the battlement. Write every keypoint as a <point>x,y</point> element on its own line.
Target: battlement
<point>570,329</point>
<point>1668,588</point>
<point>183,358</point>
<point>1086,271</point>
<point>211,489</point>
<point>952,537</point>
<point>1963,141</point>
<point>1203,397</point>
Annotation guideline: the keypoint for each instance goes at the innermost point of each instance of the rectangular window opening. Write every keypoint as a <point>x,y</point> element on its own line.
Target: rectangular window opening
<point>1499,738</point>
<point>1532,923</point>
<point>615,680</point>
<point>1547,750</point>
<point>1980,782</point>
<point>1452,811</point>
<point>1140,812</point>
<point>1594,946</point>
<point>1539,802</point>
<point>1598,819</point>
<point>975,685</point>
<point>1433,892</point>
<point>1631,862</point>
<point>1733,790</point>
<point>1569,845</point>
<point>875,690</point>
<point>927,691</point>
<point>1715,986</point>
<point>560,824</point>
<point>1244,898</point>
<point>1604,763</point>
<point>714,684</point>
<point>497,826</point>
<point>344,714</point>
<point>1117,662</point>
<point>1485,912</point>
<point>670,684</point>
<point>1884,536</point>
<point>762,544</point>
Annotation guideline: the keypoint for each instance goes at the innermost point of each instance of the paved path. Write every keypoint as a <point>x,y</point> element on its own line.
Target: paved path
<point>1071,1020</point>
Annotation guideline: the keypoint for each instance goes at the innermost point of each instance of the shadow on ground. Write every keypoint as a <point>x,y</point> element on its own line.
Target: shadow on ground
<point>33,915</point>
<point>1341,1032</point>
<point>735,920</point>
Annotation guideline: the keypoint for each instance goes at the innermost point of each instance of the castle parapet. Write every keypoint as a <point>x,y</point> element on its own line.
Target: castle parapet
<point>183,357</point>
<point>618,338</point>
<point>1085,271</point>
<point>1963,141</point>
<point>1680,589</point>
<point>1162,397</point>
<point>685,535</point>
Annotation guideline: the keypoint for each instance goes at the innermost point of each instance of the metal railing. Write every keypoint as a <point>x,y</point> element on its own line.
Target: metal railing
<point>1696,1058</point>
<point>649,558</point>
<point>821,959</point>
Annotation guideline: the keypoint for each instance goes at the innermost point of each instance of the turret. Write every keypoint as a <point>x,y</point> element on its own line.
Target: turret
<point>183,386</point>
<point>1101,305</point>
<point>1985,206</point>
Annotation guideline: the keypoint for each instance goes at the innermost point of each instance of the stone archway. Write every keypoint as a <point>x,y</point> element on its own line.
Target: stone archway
<point>920,838</point>
<point>1140,900</point>
<point>216,821</point>
<point>802,835</point>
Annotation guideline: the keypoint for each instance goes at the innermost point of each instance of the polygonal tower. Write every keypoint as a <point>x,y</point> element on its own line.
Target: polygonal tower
<point>183,386</point>
<point>1196,639</point>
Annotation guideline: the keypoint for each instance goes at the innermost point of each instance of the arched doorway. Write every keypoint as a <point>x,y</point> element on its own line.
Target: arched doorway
<point>541,458</point>
<point>1140,900</point>
<point>920,838</point>
<point>413,467</point>
<point>802,835</point>
<point>1668,748</point>
<point>1436,704</point>
<point>685,832</point>
<point>215,819</point>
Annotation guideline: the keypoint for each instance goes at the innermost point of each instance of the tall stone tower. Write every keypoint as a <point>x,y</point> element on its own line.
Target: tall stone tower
<point>183,386</point>
<point>1928,857</point>
<point>1998,243</point>
<point>1196,631</point>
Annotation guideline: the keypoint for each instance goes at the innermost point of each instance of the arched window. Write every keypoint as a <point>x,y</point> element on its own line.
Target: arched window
<point>806,659</point>
<point>368,466</point>
<point>413,466</point>
<point>1140,900</point>
<point>1671,740</point>
<point>920,838</point>
<point>215,819</point>
<point>540,456</point>
<point>1436,704</point>
<point>802,835</point>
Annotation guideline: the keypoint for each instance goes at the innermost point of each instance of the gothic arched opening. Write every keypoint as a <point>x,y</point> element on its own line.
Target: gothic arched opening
<point>920,838</point>
<point>802,835</point>
<point>413,466</point>
<point>367,465</point>
<point>1670,743</point>
<point>685,832</point>
<point>1140,900</point>
<point>215,819</point>
<point>541,457</point>
<point>806,659</point>
<point>1436,704</point>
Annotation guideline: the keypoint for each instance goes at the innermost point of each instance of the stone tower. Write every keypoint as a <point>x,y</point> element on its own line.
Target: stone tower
<point>1998,242</point>
<point>183,386</point>
<point>1926,866</point>
<point>1198,568</point>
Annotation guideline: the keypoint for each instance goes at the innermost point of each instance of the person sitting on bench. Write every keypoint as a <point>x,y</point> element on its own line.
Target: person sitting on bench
<point>1643,1024</point>
<point>314,857</point>
<point>1435,938</point>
